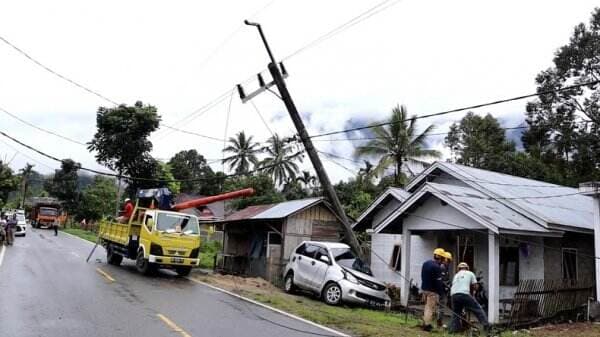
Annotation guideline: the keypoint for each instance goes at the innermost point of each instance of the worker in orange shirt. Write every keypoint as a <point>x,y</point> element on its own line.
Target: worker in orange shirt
<point>127,211</point>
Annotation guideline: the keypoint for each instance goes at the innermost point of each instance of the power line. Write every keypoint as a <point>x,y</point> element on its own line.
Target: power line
<point>48,69</point>
<point>192,133</point>
<point>42,129</point>
<point>501,101</point>
<point>262,118</point>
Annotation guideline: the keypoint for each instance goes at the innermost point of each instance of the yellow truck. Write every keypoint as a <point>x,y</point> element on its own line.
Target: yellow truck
<point>156,235</point>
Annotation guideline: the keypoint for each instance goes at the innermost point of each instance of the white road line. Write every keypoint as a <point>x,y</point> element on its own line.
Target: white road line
<point>2,250</point>
<point>269,308</point>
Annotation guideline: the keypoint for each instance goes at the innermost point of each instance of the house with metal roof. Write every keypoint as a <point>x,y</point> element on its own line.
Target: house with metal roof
<point>508,229</point>
<point>258,240</point>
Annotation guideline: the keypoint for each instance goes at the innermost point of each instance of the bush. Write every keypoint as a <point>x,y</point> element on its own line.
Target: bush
<point>208,251</point>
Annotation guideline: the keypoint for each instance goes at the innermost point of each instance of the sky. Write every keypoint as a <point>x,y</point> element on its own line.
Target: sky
<point>430,55</point>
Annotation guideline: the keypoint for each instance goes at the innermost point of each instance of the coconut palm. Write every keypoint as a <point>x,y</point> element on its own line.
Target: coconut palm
<point>396,142</point>
<point>244,153</point>
<point>306,179</point>
<point>280,162</point>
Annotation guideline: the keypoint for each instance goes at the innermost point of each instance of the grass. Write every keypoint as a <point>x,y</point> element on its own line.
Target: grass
<point>86,235</point>
<point>208,251</point>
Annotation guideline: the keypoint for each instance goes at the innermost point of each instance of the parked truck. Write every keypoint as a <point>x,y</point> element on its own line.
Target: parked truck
<point>157,235</point>
<point>44,211</point>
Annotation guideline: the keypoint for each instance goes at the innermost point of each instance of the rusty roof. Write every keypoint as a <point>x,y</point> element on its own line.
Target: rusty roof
<point>272,211</point>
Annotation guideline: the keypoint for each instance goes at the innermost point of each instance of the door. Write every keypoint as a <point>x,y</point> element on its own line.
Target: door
<point>305,265</point>
<point>320,269</point>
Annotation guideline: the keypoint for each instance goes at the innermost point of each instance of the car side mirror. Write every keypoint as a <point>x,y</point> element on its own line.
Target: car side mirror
<point>325,259</point>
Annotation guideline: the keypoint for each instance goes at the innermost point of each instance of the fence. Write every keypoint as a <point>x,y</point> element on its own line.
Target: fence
<point>536,300</point>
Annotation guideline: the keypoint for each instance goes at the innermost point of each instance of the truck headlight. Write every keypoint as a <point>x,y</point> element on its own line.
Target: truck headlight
<point>348,276</point>
<point>156,249</point>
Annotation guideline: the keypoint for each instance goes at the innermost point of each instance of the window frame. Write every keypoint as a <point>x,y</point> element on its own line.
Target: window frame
<point>504,273</point>
<point>395,261</point>
<point>575,252</point>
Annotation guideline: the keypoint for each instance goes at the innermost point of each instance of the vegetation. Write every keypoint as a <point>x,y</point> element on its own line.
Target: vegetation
<point>82,233</point>
<point>244,151</point>
<point>208,251</point>
<point>64,185</point>
<point>280,162</point>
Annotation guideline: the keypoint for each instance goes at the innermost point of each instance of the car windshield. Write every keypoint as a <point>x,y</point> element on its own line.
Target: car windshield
<point>346,258</point>
<point>173,223</point>
<point>20,217</point>
<point>48,211</point>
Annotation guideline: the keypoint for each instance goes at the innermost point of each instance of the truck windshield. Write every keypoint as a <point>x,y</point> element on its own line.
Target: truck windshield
<point>172,223</point>
<point>48,211</point>
<point>346,258</point>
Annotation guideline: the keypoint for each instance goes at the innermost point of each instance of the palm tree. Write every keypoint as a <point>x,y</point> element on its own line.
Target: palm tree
<point>244,153</point>
<point>396,142</point>
<point>280,160</point>
<point>25,172</point>
<point>306,179</point>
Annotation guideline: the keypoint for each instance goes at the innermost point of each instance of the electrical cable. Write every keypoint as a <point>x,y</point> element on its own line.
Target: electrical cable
<point>441,113</point>
<point>262,118</point>
<point>192,133</point>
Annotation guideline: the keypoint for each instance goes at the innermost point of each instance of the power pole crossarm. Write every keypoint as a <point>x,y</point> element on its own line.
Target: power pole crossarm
<point>308,145</point>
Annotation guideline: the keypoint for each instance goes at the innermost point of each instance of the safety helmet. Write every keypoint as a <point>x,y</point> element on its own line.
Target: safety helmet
<point>439,252</point>
<point>448,255</point>
<point>127,199</point>
<point>463,265</point>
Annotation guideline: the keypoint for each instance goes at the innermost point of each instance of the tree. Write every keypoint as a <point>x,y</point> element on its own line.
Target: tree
<point>121,141</point>
<point>165,174</point>
<point>244,153</point>
<point>564,127</point>
<point>189,164</point>
<point>25,173</point>
<point>280,162</point>
<point>63,185</point>
<point>479,142</point>
<point>97,199</point>
<point>266,193</point>
<point>8,182</point>
<point>396,142</point>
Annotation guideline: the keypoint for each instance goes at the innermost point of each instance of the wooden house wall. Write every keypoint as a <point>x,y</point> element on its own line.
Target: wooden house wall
<point>316,223</point>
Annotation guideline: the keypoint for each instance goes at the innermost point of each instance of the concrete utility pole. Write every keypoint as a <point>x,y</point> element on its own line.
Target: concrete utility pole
<point>593,189</point>
<point>303,134</point>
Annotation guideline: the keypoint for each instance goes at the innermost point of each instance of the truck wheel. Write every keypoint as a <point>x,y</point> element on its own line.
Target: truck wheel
<point>183,271</point>
<point>143,265</point>
<point>112,257</point>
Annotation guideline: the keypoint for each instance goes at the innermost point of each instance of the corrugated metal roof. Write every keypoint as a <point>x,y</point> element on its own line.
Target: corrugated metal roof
<point>272,211</point>
<point>399,193</point>
<point>492,211</point>
<point>569,209</point>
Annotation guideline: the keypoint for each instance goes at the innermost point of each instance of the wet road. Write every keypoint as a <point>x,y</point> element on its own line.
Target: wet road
<point>47,289</point>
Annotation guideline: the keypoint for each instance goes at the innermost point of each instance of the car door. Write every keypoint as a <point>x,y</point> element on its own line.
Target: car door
<point>320,269</point>
<point>305,263</point>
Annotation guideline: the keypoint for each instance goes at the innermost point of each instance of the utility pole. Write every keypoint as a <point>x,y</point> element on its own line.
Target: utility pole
<point>592,189</point>
<point>304,137</point>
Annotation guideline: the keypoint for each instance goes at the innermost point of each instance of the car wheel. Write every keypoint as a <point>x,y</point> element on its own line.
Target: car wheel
<point>288,284</point>
<point>332,294</point>
<point>112,257</point>
<point>143,265</point>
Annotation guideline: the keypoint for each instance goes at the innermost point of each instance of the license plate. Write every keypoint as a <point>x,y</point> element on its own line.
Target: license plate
<point>177,260</point>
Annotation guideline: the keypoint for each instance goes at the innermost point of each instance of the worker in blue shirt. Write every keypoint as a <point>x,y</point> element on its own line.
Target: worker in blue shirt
<point>432,286</point>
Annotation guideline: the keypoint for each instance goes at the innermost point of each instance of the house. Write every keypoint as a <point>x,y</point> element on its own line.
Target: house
<point>207,215</point>
<point>507,228</point>
<point>258,240</point>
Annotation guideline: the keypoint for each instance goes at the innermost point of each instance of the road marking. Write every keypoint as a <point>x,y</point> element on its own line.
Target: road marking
<point>105,274</point>
<point>173,326</point>
<point>2,254</point>
<point>269,307</point>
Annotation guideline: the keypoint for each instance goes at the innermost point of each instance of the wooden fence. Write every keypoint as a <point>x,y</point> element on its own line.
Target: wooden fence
<point>536,300</point>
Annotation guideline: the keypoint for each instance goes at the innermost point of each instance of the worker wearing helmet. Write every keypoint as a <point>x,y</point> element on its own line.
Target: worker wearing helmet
<point>463,284</point>
<point>444,298</point>
<point>127,211</point>
<point>431,285</point>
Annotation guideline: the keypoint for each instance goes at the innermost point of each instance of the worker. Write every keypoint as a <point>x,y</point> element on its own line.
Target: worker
<point>11,224</point>
<point>55,226</point>
<point>463,284</point>
<point>431,285</point>
<point>2,229</point>
<point>444,297</point>
<point>127,211</point>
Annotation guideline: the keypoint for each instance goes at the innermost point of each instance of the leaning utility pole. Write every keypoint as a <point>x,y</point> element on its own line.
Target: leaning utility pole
<point>303,134</point>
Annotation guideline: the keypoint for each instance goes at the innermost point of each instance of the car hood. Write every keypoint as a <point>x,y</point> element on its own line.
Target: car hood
<point>363,275</point>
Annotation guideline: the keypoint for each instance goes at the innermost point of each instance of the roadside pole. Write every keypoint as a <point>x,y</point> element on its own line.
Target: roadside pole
<point>593,189</point>
<point>307,142</point>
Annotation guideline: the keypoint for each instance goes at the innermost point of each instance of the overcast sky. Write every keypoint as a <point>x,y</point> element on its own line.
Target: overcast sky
<point>179,55</point>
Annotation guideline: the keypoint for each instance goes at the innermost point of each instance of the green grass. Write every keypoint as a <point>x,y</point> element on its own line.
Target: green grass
<point>86,235</point>
<point>208,250</point>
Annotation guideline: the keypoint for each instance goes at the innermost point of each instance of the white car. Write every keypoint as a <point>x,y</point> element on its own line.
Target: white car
<point>332,271</point>
<point>21,229</point>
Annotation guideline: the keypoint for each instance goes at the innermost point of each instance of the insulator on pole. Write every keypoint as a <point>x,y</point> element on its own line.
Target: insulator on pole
<point>261,81</point>
<point>241,91</point>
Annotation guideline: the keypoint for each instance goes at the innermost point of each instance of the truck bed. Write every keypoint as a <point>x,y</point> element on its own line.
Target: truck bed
<point>115,232</point>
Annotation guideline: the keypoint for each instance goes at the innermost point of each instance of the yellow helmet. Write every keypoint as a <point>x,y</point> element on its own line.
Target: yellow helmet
<point>448,256</point>
<point>439,252</point>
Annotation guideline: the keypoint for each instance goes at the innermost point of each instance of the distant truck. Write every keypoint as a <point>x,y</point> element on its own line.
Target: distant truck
<point>157,235</point>
<point>44,211</point>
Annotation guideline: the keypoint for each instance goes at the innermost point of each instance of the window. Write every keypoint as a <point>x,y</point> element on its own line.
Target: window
<point>321,252</point>
<point>395,262</point>
<point>300,250</point>
<point>310,251</point>
<point>509,266</point>
<point>569,263</point>
<point>466,252</point>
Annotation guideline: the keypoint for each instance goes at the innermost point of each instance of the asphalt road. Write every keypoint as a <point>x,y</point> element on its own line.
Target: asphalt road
<point>47,289</point>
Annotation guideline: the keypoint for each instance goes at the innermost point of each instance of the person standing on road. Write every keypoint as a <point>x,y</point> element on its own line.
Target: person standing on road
<point>55,226</point>
<point>445,296</point>
<point>2,229</point>
<point>463,284</point>
<point>10,230</point>
<point>431,284</point>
